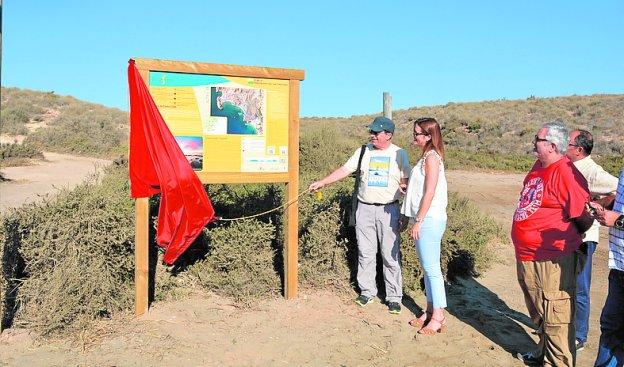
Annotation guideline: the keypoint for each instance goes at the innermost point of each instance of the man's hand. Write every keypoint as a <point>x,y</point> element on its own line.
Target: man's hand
<point>606,201</point>
<point>604,217</point>
<point>315,186</point>
<point>403,188</point>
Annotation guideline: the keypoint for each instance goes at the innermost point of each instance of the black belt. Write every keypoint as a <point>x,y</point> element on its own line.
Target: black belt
<point>380,204</point>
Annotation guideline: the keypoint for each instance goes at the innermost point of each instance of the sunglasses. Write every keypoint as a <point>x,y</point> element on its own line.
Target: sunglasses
<point>375,132</point>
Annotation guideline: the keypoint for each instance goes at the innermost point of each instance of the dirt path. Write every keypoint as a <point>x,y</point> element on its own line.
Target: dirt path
<point>26,184</point>
<point>486,327</point>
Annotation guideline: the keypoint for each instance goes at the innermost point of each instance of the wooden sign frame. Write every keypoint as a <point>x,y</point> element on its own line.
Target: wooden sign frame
<point>290,178</point>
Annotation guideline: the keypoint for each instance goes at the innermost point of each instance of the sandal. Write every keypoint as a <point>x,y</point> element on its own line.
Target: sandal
<point>428,330</point>
<point>418,322</point>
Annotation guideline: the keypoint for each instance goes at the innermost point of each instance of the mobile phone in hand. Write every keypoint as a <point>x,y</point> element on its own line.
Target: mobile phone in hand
<point>590,209</point>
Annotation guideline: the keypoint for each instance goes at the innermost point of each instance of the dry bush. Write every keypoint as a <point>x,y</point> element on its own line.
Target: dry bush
<point>239,262</point>
<point>323,244</point>
<point>77,254</point>
<point>18,154</point>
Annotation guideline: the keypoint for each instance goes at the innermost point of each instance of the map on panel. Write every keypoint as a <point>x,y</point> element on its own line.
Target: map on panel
<point>243,108</point>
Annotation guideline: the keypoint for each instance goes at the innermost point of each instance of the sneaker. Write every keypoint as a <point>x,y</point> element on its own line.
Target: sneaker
<point>530,359</point>
<point>363,300</point>
<point>394,308</point>
<point>580,345</point>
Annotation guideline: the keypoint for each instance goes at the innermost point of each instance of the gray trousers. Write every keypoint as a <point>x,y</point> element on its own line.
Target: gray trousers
<point>379,225</point>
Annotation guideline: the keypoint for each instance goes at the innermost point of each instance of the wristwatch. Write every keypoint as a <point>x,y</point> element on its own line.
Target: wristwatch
<point>619,223</point>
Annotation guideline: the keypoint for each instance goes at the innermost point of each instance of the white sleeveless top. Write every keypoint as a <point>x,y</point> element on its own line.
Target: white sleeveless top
<point>416,188</point>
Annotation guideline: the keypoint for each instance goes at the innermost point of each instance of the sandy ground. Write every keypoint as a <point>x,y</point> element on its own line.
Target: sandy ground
<point>28,183</point>
<point>487,322</point>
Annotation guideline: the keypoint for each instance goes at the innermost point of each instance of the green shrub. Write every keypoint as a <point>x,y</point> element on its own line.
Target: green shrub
<point>456,159</point>
<point>324,146</point>
<point>14,154</point>
<point>13,121</point>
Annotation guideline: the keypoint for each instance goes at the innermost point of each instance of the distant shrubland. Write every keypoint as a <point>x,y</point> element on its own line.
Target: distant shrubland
<point>493,135</point>
<point>63,124</point>
<point>497,135</point>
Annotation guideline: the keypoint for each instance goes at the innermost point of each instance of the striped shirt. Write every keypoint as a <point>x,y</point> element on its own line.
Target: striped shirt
<point>616,236</point>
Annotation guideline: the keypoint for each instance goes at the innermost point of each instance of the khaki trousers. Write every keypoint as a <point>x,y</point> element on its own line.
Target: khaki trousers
<point>549,291</point>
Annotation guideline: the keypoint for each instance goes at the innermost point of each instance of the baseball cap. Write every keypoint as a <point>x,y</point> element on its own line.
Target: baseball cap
<point>382,124</point>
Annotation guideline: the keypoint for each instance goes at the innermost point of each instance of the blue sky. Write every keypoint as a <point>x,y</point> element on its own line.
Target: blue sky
<point>423,53</point>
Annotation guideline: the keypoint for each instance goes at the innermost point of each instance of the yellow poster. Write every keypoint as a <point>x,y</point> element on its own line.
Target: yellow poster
<point>226,124</point>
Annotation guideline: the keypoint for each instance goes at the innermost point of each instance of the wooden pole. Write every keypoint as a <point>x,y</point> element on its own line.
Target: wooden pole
<point>141,254</point>
<point>387,105</point>
<point>291,250</point>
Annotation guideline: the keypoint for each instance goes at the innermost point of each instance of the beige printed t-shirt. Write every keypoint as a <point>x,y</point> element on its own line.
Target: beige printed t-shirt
<point>381,173</point>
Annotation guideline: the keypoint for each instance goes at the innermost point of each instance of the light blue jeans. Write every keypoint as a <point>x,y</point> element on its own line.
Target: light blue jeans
<point>428,250</point>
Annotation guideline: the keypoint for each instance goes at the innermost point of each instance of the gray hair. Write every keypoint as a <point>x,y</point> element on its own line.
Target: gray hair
<point>558,134</point>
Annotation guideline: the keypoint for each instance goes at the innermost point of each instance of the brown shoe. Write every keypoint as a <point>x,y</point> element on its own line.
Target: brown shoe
<point>433,327</point>
<point>419,322</point>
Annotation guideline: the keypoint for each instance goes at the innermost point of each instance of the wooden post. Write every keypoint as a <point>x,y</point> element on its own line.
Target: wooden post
<point>387,105</point>
<point>291,249</point>
<point>141,254</point>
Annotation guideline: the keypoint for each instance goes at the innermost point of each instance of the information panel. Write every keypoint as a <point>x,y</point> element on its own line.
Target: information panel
<point>226,124</point>
<point>235,124</point>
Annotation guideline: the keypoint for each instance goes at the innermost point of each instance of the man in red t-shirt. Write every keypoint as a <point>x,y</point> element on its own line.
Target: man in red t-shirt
<point>546,232</point>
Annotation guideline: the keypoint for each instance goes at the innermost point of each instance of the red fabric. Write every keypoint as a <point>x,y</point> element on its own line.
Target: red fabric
<point>542,227</point>
<point>157,165</point>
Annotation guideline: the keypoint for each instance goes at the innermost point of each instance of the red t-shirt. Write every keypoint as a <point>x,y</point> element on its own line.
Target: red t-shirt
<point>542,228</point>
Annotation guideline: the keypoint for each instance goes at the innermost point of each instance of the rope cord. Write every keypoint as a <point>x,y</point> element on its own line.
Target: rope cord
<point>268,211</point>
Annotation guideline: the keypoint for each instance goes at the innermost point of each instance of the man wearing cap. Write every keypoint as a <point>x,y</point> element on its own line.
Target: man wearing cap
<point>384,173</point>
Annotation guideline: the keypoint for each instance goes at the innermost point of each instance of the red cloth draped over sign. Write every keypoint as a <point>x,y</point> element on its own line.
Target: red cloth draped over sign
<point>157,165</point>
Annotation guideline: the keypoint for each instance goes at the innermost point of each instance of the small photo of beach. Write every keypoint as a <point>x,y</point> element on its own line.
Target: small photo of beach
<point>193,149</point>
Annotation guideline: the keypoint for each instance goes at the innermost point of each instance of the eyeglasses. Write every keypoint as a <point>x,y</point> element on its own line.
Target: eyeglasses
<point>416,134</point>
<point>538,139</point>
<point>573,145</point>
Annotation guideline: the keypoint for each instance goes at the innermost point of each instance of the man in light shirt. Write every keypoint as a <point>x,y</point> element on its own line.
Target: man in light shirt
<point>384,172</point>
<point>600,184</point>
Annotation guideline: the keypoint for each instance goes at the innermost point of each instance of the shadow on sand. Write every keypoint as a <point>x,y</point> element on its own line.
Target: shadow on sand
<point>475,305</point>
